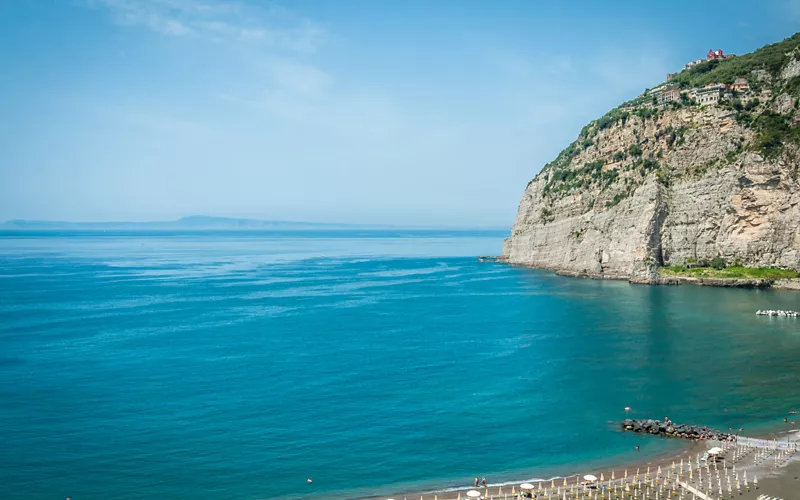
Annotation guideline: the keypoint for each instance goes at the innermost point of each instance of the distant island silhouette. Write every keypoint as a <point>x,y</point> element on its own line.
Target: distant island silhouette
<point>205,222</point>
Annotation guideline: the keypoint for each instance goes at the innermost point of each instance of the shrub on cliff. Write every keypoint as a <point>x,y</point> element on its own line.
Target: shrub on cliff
<point>774,131</point>
<point>718,263</point>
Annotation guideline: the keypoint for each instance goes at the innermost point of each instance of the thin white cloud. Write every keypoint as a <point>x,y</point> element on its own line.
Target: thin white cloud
<point>298,77</point>
<point>219,21</point>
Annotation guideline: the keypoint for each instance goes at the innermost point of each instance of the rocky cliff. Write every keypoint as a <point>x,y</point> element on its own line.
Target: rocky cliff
<point>653,184</point>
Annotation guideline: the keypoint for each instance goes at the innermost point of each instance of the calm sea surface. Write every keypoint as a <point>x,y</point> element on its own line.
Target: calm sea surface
<point>236,365</point>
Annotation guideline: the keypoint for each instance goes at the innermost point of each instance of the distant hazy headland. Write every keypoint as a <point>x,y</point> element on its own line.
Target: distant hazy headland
<point>193,222</point>
<point>203,222</point>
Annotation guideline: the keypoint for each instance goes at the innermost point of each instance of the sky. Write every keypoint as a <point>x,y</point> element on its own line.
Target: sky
<point>409,112</point>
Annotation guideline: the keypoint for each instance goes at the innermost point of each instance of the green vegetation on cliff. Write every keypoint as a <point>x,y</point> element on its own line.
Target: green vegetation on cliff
<point>769,113</point>
<point>732,272</point>
<point>770,58</point>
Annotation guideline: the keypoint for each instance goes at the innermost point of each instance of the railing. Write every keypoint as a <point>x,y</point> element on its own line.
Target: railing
<point>770,444</point>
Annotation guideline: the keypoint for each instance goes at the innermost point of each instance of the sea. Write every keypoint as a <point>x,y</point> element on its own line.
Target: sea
<point>239,365</point>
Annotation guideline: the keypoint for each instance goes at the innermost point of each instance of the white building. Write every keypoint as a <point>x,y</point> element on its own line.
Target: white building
<point>709,95</point>
<point>668,96</point>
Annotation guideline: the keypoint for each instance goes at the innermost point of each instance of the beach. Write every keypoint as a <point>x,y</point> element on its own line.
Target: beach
<point>751,471</point>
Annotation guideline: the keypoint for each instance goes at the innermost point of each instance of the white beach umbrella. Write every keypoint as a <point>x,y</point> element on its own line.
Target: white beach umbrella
<point>473,493</point>
<point>715,450</point>
<point>590,477</point>
<point>526,486</point>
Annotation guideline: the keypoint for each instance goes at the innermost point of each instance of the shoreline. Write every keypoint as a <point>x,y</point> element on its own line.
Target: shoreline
<point>761,284</point>
<point>776,479</point>
<point>606,466</point>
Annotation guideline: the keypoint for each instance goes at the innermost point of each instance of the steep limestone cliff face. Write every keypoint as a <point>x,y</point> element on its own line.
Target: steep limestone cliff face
<point>645,187</point>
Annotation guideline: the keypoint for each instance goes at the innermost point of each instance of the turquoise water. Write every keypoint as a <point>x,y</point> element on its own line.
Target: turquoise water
<point>236,365</point>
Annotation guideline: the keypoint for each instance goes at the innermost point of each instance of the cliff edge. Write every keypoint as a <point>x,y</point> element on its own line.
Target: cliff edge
<point>703,167</point>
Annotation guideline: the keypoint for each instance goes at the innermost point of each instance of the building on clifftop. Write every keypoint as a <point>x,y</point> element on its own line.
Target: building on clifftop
<point>740,85</point>
<point>668,96</point>
<point>717,54</point>
<point>709,95</point>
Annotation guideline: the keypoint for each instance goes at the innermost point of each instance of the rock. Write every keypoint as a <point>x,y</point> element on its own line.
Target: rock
<point>792,69</point>
<point>673,430</point>
<point>710,196</point>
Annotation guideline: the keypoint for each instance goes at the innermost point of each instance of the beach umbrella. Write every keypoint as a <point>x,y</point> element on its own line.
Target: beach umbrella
<point>459,495</point>
<point>590,477</point>
<point>473,493</point>
<point>565,482</point>
<point>715,450</point>
<point>526,486</point>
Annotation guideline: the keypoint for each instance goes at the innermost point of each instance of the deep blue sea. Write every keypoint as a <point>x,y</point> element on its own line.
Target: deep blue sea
<point>237,365</point>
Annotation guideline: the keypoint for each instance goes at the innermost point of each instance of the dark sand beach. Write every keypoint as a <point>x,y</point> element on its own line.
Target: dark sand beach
<point>779,481</point>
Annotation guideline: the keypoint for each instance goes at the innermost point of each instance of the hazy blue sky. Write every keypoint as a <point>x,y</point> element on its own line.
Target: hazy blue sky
<point>408,112</point>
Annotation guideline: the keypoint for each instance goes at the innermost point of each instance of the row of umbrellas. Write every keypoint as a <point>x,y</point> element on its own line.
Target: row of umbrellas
<point>527,486</point>
<point>674,484</point>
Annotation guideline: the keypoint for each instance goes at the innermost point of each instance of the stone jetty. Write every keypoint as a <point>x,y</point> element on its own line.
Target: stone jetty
<point>785,314</point>
<point>672,429</point>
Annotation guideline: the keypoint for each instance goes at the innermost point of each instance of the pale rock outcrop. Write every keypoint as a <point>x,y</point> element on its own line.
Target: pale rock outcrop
<point>792,68</point>
<point>710,196</point>
<point>784,104</point>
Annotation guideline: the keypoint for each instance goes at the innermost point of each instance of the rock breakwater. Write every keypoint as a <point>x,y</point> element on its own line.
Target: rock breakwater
<point>671,429</point>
